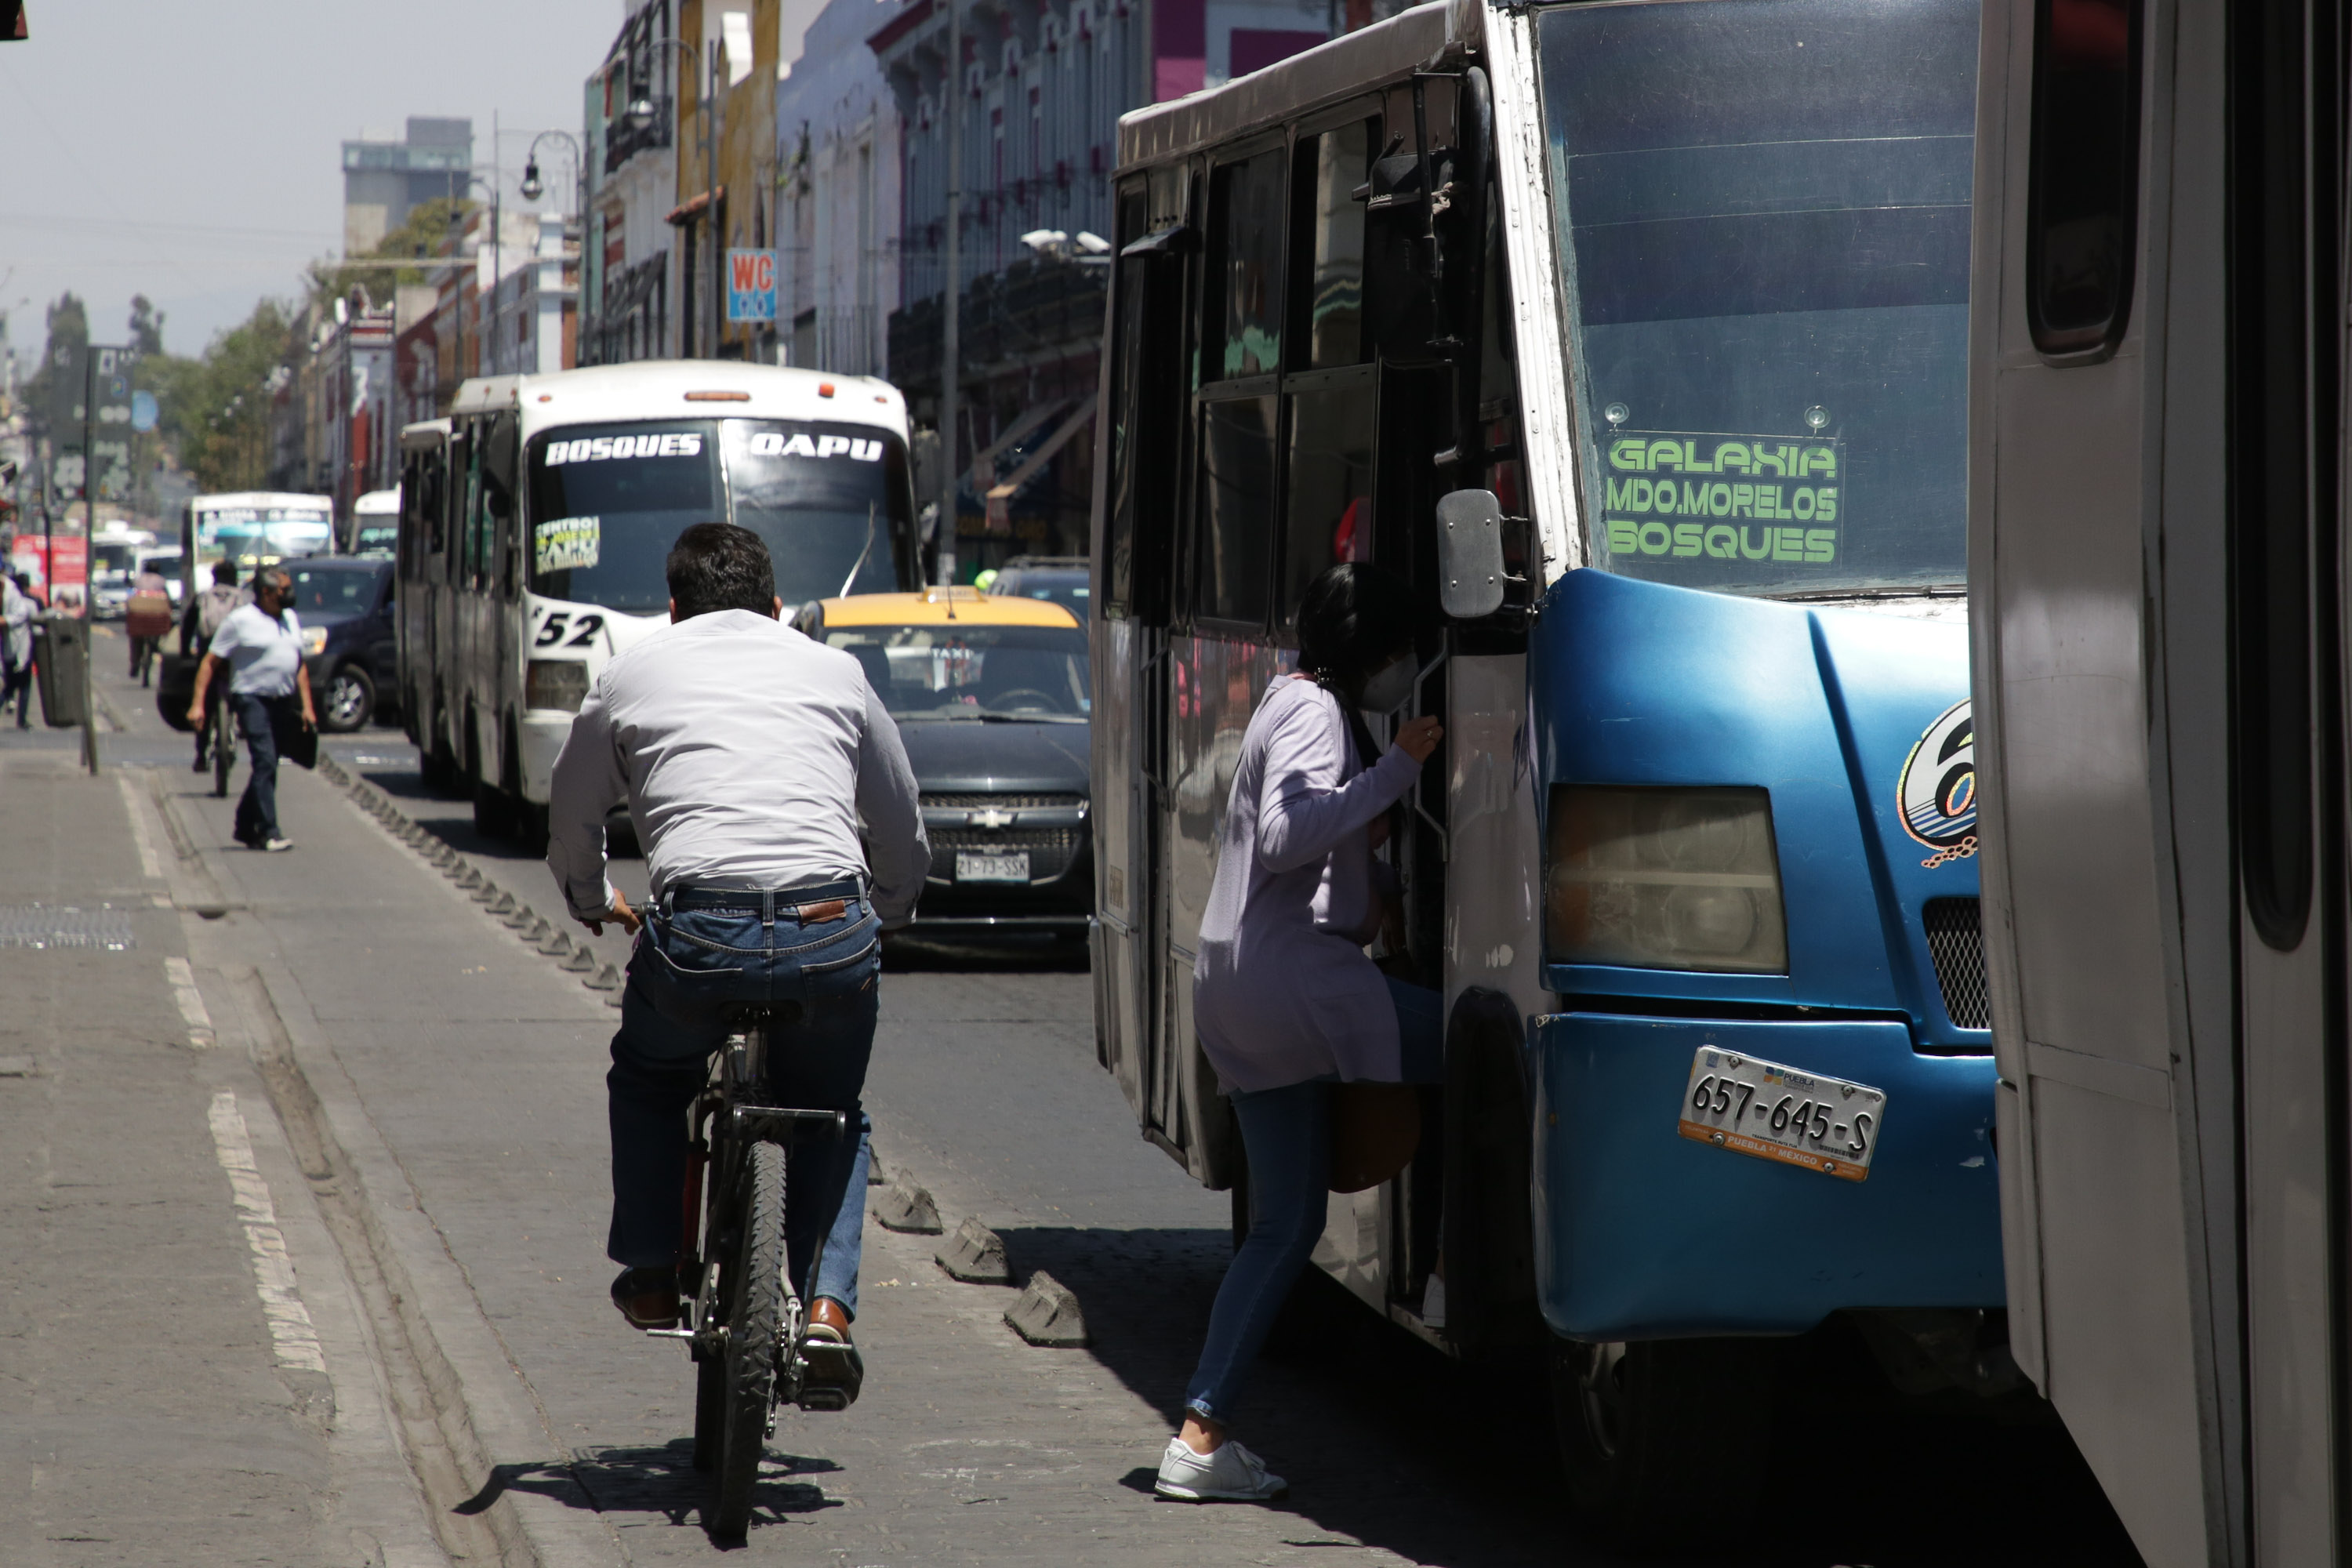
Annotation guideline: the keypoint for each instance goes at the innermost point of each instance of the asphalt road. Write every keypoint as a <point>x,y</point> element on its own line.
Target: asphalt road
<point>437,1085</point>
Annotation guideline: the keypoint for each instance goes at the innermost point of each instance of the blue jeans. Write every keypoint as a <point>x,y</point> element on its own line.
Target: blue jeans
<point>700,951</point>
<point>1286,1133</point>
<point>263,717</point>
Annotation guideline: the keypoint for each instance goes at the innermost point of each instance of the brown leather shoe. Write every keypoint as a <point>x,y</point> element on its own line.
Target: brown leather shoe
<point>828,1320</point>
<point>648,1296</point>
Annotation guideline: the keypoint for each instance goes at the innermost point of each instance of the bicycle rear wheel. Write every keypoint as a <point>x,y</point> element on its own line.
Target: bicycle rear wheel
<point>224,749</point>
<point>755,1301</point>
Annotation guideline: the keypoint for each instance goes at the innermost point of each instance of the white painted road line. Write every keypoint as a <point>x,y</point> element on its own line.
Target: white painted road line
<point>273,1269</point>
<point>191,1002</point>
<point>149,864</point>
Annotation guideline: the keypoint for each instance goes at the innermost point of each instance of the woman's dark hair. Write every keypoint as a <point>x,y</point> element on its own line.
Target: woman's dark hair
<point>1354,617</point>
<point>718,566</point>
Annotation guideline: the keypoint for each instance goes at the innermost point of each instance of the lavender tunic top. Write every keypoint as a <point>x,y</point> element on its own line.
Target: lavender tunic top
<point>1282,991</point>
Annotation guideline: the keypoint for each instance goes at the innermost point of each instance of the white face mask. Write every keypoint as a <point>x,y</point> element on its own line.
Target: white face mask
<point>1389,687</point>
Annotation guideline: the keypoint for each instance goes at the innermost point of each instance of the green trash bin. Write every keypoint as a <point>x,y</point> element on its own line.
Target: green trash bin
<point>60,653</point>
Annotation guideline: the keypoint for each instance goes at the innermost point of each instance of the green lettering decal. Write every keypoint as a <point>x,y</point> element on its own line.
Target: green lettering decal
<point>1661,502</point>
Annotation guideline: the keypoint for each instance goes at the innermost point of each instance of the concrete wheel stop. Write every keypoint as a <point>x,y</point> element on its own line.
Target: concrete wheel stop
<point>975,1255</point>
<point>1047,1314</point>
<point>902,1205</point>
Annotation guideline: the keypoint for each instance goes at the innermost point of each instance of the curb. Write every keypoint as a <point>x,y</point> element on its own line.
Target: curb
<point>538,932</point>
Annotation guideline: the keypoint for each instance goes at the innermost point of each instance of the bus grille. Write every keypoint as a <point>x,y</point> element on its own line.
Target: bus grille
<point>1956,942</point>
<point>1051,850</point>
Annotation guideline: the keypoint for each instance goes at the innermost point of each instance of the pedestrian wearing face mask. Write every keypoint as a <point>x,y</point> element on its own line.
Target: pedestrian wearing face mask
<point>1285,1000</point>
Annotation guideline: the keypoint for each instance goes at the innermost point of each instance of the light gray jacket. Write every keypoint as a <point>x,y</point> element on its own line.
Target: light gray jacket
<point>15,626</point>
<point>1283,991</point>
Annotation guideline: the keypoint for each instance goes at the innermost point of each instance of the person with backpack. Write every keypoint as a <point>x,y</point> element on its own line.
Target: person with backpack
<point>199,623</point>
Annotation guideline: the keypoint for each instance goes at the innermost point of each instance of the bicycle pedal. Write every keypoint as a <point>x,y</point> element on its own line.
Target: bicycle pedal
<point>830,1376</point>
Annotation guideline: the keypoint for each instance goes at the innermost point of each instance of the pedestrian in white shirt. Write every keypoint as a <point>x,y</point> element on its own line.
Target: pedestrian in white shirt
<point>749,754</point>
<point>16,608</point>
<point>260,646</point>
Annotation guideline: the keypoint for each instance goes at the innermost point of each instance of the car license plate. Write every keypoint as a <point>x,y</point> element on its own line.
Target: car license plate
<point>1776,1112</point>
<point>975,867</point>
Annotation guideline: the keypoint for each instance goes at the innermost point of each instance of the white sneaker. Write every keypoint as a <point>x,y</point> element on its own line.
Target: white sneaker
<point>276,845</point>
<point>1232,1474</point>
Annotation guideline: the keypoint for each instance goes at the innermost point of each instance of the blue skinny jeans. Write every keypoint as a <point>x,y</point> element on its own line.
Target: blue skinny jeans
<point>700,951</point>
<point>1286,1133</point>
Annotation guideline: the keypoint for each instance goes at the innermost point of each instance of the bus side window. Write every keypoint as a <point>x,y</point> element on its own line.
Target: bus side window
<point>1147,403</point>
<point>1331,405</point>
<point>2084,197</point>
<point>1233,558</point>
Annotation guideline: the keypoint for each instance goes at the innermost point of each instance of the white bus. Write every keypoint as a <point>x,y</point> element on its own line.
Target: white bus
<point>252,528</point>
<point>374,526</point>
<point>536,519</point>
<point>2156,492</point>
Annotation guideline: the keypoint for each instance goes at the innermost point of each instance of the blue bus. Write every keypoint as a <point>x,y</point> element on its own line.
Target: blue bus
<point>1633,335</point>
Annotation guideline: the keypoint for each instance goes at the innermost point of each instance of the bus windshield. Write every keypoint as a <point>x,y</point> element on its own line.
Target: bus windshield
<point>252,535</point>
<point>1764,211</point>
<point>607,502</point>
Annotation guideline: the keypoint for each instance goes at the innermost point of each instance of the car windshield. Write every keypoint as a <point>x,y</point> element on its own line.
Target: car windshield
<point>1056,585</point>
<point>1030,674</point>
<point>335,590</point>
<point>607,502</point>
<point>1764,207</point>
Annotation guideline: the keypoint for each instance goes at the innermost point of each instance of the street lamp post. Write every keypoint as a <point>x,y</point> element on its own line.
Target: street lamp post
<point>641,113</point>
<point>533,187</point>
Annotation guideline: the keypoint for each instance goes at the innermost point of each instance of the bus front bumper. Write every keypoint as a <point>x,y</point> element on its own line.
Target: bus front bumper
<point>541,734</point>
<point>1641,1232</point>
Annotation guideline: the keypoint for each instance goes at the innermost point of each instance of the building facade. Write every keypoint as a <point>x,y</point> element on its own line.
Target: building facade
<point>383,180</point>
<point>627,279</point>
<point>838,153</point>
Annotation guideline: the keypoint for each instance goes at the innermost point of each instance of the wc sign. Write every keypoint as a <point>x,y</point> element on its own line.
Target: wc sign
<point>750,284</point>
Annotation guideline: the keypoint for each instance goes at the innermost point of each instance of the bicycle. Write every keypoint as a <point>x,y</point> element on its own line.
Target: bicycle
<point>226,734</point>
<point>744,1322</point>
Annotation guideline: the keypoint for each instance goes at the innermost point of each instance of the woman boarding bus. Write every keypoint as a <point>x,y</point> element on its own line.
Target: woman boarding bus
<point>535,519</point>
<point>1631,336</point>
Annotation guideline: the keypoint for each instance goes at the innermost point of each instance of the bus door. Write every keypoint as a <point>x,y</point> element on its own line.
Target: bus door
<point>2159,629</point>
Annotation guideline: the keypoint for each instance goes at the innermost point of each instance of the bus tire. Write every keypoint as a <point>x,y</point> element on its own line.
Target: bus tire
<point>1666,1443</point>
<point>493,810</point>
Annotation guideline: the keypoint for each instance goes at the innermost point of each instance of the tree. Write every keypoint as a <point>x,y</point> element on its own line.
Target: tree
<point>146,327</point>
<point>215,409</point>
<point>429,224</point>
<point>52,394</point>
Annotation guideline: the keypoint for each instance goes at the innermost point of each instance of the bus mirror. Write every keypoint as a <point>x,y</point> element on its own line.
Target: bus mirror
<point>1470,554</point>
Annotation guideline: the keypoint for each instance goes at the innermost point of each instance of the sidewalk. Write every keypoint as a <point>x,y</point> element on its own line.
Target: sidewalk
<point>154,1407</point>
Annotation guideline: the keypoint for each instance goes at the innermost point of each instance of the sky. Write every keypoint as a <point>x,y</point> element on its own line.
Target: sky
<point>192,151</point>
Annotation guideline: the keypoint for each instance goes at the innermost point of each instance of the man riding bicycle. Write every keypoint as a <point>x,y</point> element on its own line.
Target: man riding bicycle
<point>749,755</point>
<point>199,623</point>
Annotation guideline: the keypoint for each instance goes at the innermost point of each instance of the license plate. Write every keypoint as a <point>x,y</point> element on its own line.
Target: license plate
<point>971,868</point>
<point>1775,1112</point>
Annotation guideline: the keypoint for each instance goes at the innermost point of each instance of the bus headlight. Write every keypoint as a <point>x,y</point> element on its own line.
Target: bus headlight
<point>555,683</point>
<point>1664,879</point>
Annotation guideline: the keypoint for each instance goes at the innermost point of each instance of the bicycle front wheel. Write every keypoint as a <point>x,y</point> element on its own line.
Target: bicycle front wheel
<point>755,1302</point>
<point>224,750</point>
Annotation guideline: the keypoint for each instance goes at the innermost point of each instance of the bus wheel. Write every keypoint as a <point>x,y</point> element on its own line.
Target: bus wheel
<point>1666,1443</point>
<point>493,810</point>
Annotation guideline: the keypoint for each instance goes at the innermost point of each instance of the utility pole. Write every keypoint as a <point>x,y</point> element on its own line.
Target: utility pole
<point>88,552</point>
<point>950,347</point>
